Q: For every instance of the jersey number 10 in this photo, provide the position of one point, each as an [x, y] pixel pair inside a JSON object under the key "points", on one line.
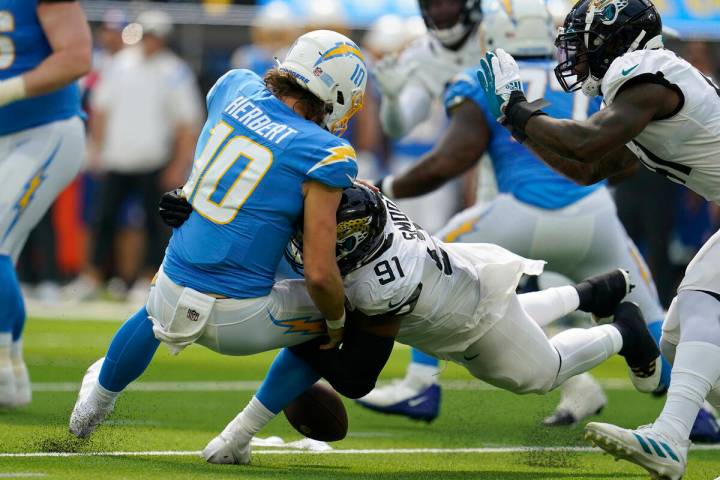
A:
{"points": [[222, 181]]}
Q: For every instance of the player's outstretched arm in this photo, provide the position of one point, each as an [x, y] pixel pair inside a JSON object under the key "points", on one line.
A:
{"points": [[597, 145], [68, 33], [322, 275], [458, 150]]}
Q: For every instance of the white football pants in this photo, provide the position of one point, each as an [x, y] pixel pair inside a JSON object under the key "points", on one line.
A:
{"points": [[35, 166], [577, 241]]}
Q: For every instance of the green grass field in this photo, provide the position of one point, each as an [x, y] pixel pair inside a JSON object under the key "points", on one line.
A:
{"points": [[183, 402]]}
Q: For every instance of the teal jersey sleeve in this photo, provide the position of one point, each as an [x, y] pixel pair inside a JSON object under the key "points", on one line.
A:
{"points": [[333, 164]]}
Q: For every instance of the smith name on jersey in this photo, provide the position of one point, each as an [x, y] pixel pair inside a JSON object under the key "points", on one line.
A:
{"points": [[519, 171], [23, 46], [448, 295], [252, 158], [684, 146]]}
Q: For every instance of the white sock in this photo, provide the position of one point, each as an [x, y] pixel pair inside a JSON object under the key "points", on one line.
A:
{"points": [[103, 395], [420, 375], [548, 305], [581, 349], [695, 371], [5, 348], [248, 422], [16, 349]]}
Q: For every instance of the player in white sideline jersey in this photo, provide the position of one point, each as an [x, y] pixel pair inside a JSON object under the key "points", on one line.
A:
{"points": [[453, 301], [538, 213], [662, 112], [46, 47]]}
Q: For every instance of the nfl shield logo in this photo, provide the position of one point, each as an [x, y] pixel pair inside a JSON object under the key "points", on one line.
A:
{"points": [[193, 315]]}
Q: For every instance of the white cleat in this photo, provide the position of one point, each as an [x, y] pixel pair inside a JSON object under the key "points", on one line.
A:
{"points": [[223, 450], [7, 385], [91, 409], [663, 457], [23, 388], [581, 397]]}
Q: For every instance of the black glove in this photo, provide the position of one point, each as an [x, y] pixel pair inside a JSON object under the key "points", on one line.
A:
{"points": [[173, 208], [378, 184]]}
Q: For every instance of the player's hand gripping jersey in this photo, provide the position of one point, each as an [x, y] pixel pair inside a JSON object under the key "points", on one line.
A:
{"points": [[252, 158], [434, 286], [685, 146], [23, 46], [519, 171]]}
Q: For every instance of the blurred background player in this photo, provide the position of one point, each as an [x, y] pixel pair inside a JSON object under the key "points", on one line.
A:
{"points": [[146, 112], [46, 48], [272, 31], [411, 113], [538, 214]]}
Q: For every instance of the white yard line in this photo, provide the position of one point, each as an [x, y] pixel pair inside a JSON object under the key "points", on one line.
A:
{"points": [[369, 451], [252, 385]]}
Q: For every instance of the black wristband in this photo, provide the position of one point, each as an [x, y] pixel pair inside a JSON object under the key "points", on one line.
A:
{"points": [[518, 111]]}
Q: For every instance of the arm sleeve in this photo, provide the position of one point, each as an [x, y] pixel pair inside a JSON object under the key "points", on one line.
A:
{"points": [[334, 165], [401, 114], [352, 369]]}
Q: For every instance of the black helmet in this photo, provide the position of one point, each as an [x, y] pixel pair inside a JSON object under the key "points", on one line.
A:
{"points": [[470, 17], [361, 218], [596, 32]]}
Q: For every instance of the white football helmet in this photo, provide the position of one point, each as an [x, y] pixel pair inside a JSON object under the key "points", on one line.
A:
{"points": [[523, 28], [332, 67]]}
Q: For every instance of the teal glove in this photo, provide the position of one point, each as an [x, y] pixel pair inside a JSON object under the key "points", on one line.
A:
{"points": [[499, 76]]}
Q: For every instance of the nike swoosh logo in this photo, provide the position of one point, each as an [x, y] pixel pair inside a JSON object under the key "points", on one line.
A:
{"points": [[627, 71], [390, 304], [417, 401], [471, 358]]}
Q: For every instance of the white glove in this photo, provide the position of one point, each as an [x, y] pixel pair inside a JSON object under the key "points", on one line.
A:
{"points": [[499, 76], [391, 76]]}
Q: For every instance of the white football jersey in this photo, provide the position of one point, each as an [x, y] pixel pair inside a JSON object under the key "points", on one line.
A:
{"points": [[448, 295], [437, 64], [686, 146]]}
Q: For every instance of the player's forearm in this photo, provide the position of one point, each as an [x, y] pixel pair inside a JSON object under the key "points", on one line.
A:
{"points": [[58, 70], [391, 118], [425, 176], [327, 291], [399, 114], [582, 173], [566, 138]]}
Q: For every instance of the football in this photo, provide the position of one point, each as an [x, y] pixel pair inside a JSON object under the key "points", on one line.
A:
{"points": [[318, 413]]}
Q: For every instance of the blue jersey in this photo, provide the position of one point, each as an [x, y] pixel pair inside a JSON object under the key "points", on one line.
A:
{"points": [[23, 46], [252, 158], [518, 170]]}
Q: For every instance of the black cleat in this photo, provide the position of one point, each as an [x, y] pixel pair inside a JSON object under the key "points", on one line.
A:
{"points": [[641, 353], [600, 294]]}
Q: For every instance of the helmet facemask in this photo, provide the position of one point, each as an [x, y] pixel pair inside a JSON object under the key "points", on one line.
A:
{"points": [[595, 33], [361, 219]]}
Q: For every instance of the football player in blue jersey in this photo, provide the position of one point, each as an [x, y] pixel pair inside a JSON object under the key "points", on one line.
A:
{"points": [[45, 46], [538, 214], [269, 156]]}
